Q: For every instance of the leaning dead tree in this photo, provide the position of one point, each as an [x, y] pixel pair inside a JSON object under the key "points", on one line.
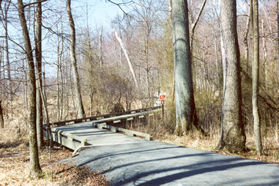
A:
{"points": [[127, 57]]}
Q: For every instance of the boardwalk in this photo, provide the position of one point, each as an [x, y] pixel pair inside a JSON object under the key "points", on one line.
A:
{"points": [[128, 160]]}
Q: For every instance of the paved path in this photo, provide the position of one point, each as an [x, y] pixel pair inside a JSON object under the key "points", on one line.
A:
{"points": [[141, 162]]}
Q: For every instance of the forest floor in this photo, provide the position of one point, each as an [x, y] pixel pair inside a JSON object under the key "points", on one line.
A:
{"points": [[270, 146], [271, 149], [14, 167], [270, 141]]}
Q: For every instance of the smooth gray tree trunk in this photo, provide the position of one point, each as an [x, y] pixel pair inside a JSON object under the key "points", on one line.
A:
{"points": [[35, 168], [255, 78], [186, 118], [81, 113], [38, 54], [232, 132]]}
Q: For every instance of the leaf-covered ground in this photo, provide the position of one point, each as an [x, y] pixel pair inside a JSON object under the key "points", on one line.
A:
{"points": [[14, 168]]}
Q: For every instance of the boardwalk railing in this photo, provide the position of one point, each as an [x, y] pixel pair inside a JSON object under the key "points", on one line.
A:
{"points": [[92, 118]]}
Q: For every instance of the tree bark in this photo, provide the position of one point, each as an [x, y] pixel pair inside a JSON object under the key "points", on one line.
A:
{"points": [[1, 116], [5, 25], [81, 113], [277, 36], [38, 54], [34, 156], [246, 34], [232, 132], [186, 118], [255, 78]]}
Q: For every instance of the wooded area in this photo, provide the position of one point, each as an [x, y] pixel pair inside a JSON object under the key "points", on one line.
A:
{"points": [[217, 62]]}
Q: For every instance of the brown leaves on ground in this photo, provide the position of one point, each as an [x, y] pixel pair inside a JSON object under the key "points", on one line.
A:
{"points": [[14, 168]]}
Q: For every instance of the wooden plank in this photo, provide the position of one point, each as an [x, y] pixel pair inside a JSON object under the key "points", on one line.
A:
{"points": [[66, 139], [130, 119], [117, 121], [125, 131]]}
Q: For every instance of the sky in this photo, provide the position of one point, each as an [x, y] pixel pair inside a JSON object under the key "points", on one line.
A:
{"points": [[100, 12]]}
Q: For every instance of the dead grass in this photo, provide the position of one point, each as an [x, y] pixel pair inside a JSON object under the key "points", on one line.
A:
{"points": [[14, 168], [159, 132], [270, 145]]}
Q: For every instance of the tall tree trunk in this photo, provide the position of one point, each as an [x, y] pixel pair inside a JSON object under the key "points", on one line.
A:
{"points": [[277, 37], [1, 116], [80, 108], [255, 78], [265, 73], [186, 118], [100, 43], [1, 60], [38, 54], [232, 133], [25, 86], [246, 34], [58, 78], [34, 156], [5, 24], [61, 77]]}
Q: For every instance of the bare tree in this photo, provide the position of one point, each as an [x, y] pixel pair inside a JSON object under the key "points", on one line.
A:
{"points": [[278, 35], [38, 56], [4, 13], [34, 156], [186, 118], [1, 115], [246, 34], [232, 130], [80, 108], [255, 78]]}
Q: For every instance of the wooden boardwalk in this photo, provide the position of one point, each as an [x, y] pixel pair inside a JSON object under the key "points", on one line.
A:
{"points": [[100, 131]]}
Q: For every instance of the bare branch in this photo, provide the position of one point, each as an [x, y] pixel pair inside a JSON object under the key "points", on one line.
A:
{"points": [[56, 33], [120, 4], [29, 4], [198, 17]]}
